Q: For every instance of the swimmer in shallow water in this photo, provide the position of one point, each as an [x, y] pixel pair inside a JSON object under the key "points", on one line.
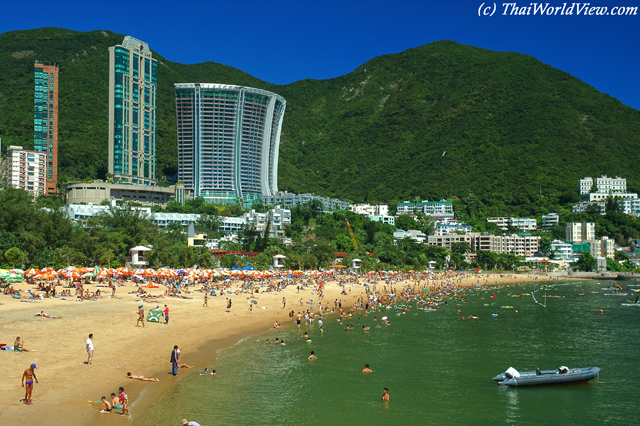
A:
{"points": [[385, 394], [207, 373], [366, 369], [312, 356]]}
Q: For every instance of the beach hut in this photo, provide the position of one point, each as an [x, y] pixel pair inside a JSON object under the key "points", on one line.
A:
{"points": [[138, 256], [278, 261], [355, 263]]}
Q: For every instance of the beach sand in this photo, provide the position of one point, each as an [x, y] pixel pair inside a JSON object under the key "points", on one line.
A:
{"points": [[68, 388]]}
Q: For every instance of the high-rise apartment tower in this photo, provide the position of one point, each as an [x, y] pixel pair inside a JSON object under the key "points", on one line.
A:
{"points": [[228, 141], [45, 121], [132, 113]]}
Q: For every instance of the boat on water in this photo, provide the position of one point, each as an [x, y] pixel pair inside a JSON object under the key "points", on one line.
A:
{"points": [[631, 304], [561, 375]]}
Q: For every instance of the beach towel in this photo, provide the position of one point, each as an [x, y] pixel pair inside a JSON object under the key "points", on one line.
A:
{"points": [[154, 316]]}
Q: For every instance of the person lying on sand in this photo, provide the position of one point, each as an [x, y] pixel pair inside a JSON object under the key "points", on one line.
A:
{"points": [[144, 379], [44, 314]]}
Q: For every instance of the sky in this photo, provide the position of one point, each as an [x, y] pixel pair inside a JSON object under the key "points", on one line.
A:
{"points": [[284, 41]]}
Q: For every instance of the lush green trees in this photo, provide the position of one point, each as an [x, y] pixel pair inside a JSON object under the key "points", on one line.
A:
{"points": [[14, 256], [406, 222], [585, 263]]}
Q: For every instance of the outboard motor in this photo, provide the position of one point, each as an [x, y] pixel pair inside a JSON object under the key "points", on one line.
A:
{"points": [[538, 371]]}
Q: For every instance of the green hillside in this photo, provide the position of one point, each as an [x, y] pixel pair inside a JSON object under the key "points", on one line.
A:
{"points": [[440, 120]]}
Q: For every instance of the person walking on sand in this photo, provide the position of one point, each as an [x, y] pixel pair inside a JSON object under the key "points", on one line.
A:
{"points": [[166, 314], [140, 316], [89, 345], [175, 355], [284, 302], [206, 298], [228, 305], [27, 379]]}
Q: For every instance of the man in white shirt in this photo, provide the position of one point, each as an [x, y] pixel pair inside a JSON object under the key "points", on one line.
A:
{"points": [[185, 422], [90, 349]]}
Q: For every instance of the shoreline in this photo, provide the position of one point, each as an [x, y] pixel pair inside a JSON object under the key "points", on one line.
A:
{"points": [[67, 384]]}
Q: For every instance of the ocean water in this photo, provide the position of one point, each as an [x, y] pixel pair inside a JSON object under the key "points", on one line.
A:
{"points": [[437, 367]]}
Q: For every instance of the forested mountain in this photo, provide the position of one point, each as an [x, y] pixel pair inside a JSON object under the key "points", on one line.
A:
{"points": [[442, 120]]}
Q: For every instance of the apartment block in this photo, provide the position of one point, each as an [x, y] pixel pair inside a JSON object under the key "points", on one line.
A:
{"points": [[27, 169], [132, 112], [452, 228], [516, 244], [290, 200], [45, 121], [550, 219], [390, 220], [371, 210], [577, 232], [522, 223], [562, 250], [438, 209], [603, 187]]}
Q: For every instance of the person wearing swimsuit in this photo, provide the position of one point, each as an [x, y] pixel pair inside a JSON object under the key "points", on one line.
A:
{"points": [[29, 374]]}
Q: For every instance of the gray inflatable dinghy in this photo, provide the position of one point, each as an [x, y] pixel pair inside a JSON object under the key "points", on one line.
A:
{"points": [[562, 375]]}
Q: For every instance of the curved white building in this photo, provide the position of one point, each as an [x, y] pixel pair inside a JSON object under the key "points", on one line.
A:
{"points": [[228, 141]]}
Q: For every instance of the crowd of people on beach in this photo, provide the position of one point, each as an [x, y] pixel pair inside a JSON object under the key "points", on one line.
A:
{"points": [[374, 293]]}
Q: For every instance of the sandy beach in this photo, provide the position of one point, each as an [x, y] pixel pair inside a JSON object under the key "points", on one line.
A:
{"points": [[68, 387]]}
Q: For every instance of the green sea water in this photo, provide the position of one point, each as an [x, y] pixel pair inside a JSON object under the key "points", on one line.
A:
{"points": [[437, 367]]}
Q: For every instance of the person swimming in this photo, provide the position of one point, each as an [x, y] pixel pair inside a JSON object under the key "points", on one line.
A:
{"points": [[207, 373]]}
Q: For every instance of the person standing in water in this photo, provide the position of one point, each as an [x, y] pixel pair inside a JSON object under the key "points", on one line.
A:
{"points": [[385, 394]]}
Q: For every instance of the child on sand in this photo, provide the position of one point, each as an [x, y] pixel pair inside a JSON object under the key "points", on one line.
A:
{"points": [[115, 402], [107, 406]]}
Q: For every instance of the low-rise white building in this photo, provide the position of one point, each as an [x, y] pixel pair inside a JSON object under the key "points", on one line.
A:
{"points": [[522, 223], [437, 209], [390, 220], [277, 218], [583, 205], [452, 228], [604, 187], [370, 210], [289, 200], [562, 250], [630, 206], [414, 234], [549, 220]]}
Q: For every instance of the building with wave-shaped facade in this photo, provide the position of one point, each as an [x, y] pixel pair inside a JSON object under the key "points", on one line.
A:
{"points": [[228, 141]]}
